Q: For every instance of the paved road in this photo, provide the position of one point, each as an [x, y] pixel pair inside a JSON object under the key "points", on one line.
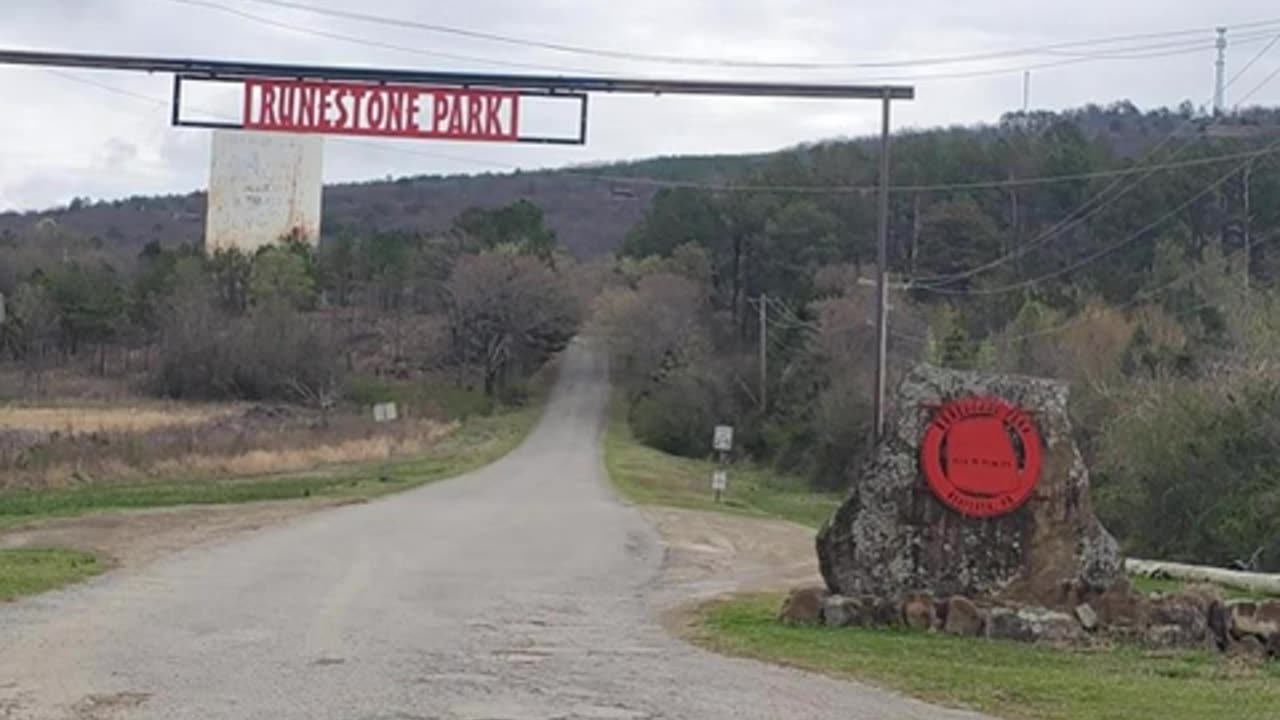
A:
{"points": [[521, 591]]}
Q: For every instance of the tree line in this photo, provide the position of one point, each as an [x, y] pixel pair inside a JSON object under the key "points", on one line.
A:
{"points": [[1127, 253], [282, 323]]}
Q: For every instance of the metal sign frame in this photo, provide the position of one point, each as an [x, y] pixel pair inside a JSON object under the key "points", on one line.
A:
{"points": [[221, 69], [176, 119], [545, 83]]}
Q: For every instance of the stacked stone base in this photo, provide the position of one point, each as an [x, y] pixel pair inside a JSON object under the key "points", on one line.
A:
{"points": [[1195, 619]]}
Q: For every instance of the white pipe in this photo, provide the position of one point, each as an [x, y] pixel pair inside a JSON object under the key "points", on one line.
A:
{"points": [[1264, 583]]}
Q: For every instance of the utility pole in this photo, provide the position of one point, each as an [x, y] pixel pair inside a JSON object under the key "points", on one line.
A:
{"points": [[1220, 74], [1248, 220], [1026, 91], [882, 275], [764, 353]]}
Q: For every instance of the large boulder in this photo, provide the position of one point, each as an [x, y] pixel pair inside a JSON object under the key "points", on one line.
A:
{"points": [[892, 536]]}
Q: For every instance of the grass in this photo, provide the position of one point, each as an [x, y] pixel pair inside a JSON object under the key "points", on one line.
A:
{"points": [[651, 477], [1008, 679], [1145, 584], [475, 443], [1012, 680], [30, 571], [132, 418]]}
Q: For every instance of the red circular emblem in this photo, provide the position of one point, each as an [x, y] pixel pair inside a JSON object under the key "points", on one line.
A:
{"points": [[981, 456]]}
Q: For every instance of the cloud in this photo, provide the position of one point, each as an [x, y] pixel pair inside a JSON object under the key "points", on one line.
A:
{"points": [[68, 138]]}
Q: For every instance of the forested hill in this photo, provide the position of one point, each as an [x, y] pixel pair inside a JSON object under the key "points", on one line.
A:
{"points": [[592, 209], [590, 217]]}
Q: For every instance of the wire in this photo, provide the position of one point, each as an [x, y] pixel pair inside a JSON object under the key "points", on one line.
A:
{"points": [[1270, 76], [1092, 206], [1139, 298], [726, 187], [1107, 250], [725, 62], [795, 321], [939, 187], [370, 42], [1183, 47]]}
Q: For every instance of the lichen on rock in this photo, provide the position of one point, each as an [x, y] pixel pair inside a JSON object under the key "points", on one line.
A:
{"points": [[892, 536]]}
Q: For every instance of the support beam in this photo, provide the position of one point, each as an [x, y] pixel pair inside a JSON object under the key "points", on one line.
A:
{"points": [[882, 276], [231, 70]]}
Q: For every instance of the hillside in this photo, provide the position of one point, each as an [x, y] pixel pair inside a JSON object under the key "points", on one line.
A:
{"points": [[591, 217], [591, 208]]}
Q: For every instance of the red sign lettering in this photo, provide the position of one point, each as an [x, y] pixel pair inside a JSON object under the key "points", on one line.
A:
{"points": [[981, 456], [381, 110]]}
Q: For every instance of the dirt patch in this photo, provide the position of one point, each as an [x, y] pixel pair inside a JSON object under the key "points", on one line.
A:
{"points": [[711, 554], [104, 707], [134, 538]]}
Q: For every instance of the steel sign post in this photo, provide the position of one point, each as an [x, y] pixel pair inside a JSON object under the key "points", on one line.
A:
{"points": [[722, 443], [882, 276]]}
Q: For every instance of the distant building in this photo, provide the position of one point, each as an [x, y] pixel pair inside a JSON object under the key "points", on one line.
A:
{"points": [[263, 187]]}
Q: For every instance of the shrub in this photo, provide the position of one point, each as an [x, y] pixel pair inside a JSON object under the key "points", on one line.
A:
{"points": [[1191, 470], [678, 416], [272, 353]]}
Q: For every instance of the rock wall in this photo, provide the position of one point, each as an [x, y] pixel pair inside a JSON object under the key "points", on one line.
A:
{"points": [[892, 536], [1197, 618]]}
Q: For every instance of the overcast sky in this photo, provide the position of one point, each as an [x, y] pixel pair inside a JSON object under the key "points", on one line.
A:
{"points": [[61, 138]]}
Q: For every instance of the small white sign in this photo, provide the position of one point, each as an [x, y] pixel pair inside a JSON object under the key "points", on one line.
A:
{"points": [[719, 480], [722, 441], [385, 412]]}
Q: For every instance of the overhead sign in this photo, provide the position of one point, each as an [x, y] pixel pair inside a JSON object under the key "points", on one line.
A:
{"points": [[384, 110], [381, 110], [722, 440], [981, 456]]}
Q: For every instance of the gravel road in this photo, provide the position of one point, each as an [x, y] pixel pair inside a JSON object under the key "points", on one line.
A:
{"points": [[523, 591]]}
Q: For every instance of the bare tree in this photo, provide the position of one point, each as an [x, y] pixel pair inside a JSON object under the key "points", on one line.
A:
{"points": [[505, 311], [655, 329]]}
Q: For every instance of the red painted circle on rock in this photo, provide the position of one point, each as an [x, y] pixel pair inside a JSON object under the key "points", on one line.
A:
{"points": [[981, 456]]}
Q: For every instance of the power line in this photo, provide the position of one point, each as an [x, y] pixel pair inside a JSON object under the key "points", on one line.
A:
{"points": [[937, 187], [1181, 47], [374, 43], [1089, 208], [794, 321], [1109, 249], [1270, 76], [730, 187], [1137, 299], [405, 23]]}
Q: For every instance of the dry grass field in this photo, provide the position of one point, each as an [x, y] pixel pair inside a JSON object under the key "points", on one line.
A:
{"points": [[103, 418]]}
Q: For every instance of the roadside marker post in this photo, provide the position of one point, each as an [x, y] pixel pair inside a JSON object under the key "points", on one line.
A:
{"points": [[722, 443]]}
